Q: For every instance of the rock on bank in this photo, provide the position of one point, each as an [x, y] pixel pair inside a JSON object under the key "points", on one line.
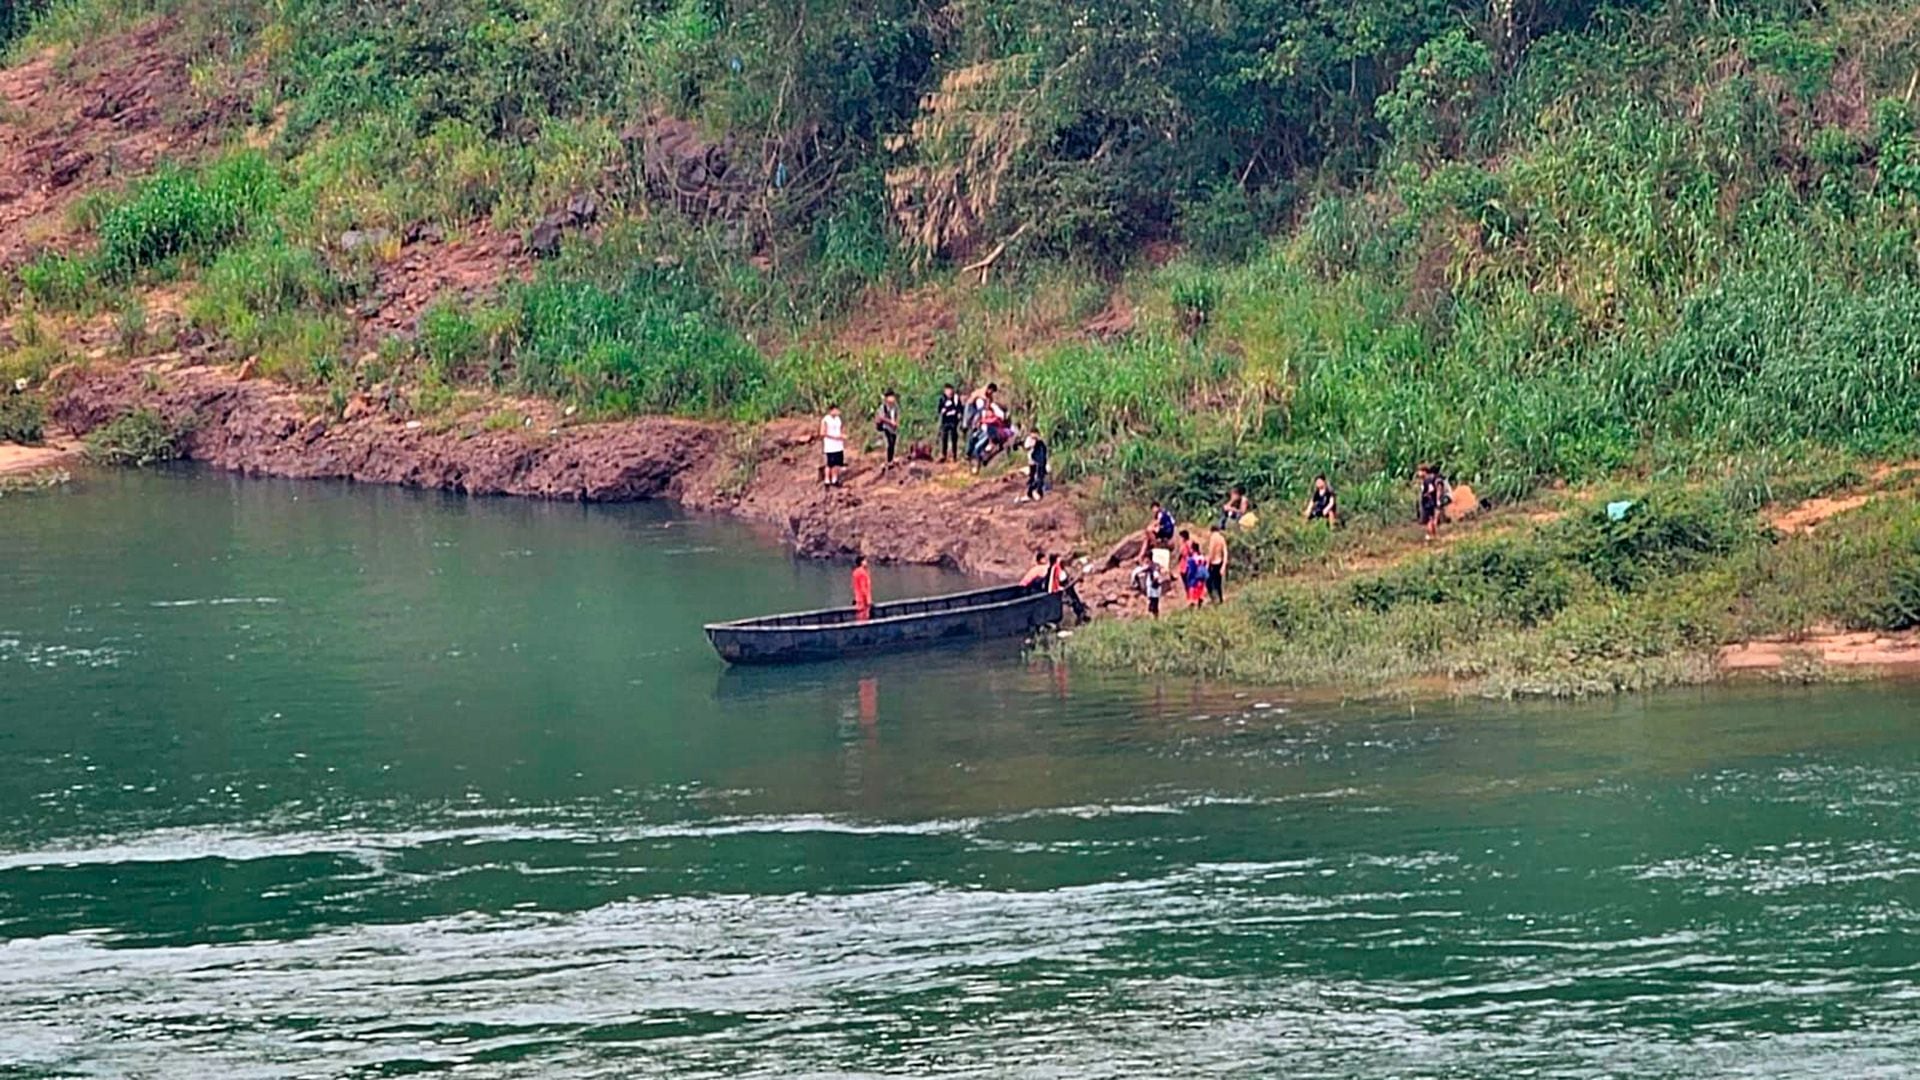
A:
{"points": [[913, 513]]}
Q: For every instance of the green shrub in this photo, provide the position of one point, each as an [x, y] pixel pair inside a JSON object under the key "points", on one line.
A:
{"points": [[1900, 609], [269, 276], [854, 250], [451, 340], [1195, 297], [23, 417], [140, 438], [1220, 225], [1085, 394], [180, 212], [1667, 532], [58, 281]]}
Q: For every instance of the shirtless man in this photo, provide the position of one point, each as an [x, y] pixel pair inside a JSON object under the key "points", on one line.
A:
{"points": [[1217, 565]]}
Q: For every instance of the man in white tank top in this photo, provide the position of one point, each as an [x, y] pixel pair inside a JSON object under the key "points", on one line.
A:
{"points": [[835, 446]]}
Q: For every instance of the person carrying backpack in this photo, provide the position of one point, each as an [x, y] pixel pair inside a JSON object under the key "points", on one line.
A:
{"points": [[1161, 524]]}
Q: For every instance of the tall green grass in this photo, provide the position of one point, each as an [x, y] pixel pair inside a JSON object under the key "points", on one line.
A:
{"points": [[644, 344], [177, 211]]}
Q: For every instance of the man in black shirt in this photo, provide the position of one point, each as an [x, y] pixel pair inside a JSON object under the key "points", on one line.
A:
{"points": [[951, 410], [1037, 457]]}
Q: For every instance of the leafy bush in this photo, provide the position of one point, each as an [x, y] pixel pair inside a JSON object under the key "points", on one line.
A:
{"points": [[1900, 610], [1512, 582], [23, 417], [450, 338], [140, 438], [279, 302], [1221, 225], [854, 251], [1195, 297], [16, 18], [1665, 533], [1085, 394], [59, 281]]}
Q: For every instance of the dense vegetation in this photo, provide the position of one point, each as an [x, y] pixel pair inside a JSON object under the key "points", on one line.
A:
{"points": [[1535, 240]]}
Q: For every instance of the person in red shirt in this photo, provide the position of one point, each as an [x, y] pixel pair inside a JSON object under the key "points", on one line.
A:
{"points": [[862, 590]]}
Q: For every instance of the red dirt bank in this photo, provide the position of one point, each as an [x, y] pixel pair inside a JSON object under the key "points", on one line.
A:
{"points": [[914, 513]]}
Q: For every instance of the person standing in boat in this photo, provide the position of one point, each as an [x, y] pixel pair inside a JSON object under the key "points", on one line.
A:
{"points": [[834, 445], [862, 590]]}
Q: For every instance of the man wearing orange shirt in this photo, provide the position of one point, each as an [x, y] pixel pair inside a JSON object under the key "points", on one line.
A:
{"points": [[862, 590]]}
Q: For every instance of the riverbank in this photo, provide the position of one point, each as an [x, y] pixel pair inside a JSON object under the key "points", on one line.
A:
{"points": [[1686, 585], [1552, 598], [916, 513]]}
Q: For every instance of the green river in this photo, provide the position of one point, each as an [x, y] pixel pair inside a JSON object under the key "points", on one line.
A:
{"points": [[319, 780]]}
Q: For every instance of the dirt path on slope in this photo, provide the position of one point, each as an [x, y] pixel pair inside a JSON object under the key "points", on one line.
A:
{"points": [[1809, 516]]}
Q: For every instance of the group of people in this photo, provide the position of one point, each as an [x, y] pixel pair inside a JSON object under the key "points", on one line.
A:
{"points": [[1167, 550], [985, 419]]}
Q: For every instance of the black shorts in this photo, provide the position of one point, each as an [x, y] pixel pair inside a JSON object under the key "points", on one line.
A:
{"points": [[1216, 581], [836, 459]]}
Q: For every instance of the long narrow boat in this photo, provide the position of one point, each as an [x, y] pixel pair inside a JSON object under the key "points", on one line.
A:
{"points": [[1005, 611]]}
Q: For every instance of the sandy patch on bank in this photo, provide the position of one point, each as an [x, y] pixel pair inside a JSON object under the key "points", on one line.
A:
{"points": [[1863, 649], [25, 459]]}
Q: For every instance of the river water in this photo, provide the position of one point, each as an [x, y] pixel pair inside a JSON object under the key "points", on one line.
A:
{"points": [[313, 780]]}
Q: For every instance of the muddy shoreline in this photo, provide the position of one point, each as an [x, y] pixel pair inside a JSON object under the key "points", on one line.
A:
{"points": [[915, 513]]}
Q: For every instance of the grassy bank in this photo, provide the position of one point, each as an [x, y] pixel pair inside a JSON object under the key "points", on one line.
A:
{"points": [[1579, 605]]}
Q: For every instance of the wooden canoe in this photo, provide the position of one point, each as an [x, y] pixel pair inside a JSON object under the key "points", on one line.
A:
{"points": [[1005, 611]]}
